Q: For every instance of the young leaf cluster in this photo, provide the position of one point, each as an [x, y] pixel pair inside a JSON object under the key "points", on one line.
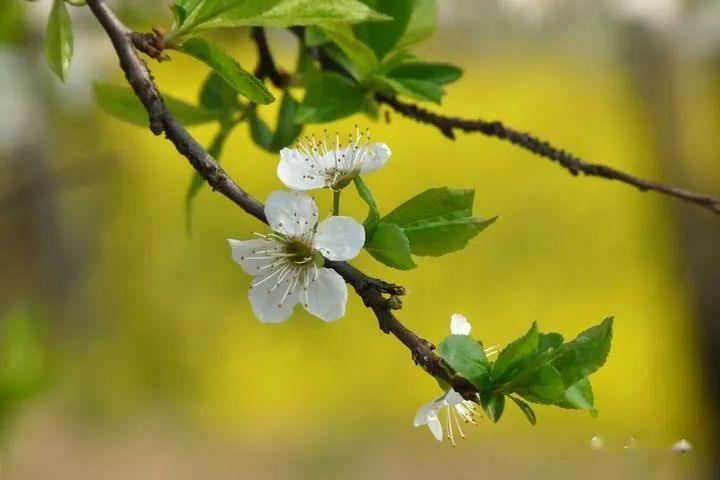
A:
{"points": [[537, 368], [367, 44], [374, 57], [436, 222]]}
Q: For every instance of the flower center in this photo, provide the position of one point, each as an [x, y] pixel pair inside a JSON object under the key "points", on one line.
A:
{"points": [[299, 253], [339, 178], [337, 164]]}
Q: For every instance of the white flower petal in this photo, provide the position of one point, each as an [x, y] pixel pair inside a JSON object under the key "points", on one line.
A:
{"points": [[295, 171], [421, 417], [326, 296], [339, 238], [376, 157], [459, 325], [453, 398], [267, 302], [329, 160], [245, 254], [435, 427], [291, 213], [422, 414]]}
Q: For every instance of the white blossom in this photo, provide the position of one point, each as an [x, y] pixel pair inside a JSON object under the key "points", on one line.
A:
{"points": [[456, 408], [288, 264], [312, 164]]}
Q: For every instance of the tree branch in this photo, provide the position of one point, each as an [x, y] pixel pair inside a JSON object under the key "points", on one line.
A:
{"points": [[447, 126], [266, 67], [573, 164], [371, 290]]}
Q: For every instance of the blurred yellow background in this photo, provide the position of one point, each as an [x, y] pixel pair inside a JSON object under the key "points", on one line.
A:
{"points": [[163, 372]]}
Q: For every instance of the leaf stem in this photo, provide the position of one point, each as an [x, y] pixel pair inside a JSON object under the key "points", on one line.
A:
{"points": [[336, 202]]}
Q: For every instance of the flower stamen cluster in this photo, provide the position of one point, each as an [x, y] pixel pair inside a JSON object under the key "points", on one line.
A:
{"points": [[326, 164], [288, 264]]}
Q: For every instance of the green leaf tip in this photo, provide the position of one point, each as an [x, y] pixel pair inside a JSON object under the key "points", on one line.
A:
{"points": [[59, 40], [439, 221]]}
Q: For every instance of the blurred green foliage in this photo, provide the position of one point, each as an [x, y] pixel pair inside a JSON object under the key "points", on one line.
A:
{"points": [[12, 21], [24, 363]]}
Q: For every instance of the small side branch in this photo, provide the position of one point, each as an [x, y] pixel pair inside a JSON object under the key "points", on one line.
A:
{"points": [[266, 63], [573, 164]]}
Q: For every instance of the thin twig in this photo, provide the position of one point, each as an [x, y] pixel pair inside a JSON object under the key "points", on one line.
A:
{"points": [[447, 126], [266, 67], [573, 164], [372, 291]]}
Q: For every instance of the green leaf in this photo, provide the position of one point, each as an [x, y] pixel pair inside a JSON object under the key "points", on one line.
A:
{"points": [[179, 15], [260, 132], [338, 56], [579, 397], [59, 40], [286, 130], [314, 37], [390, 246], [436, 73], [372, 108], [276, 13], [515, 354], [419, 90], [197, 182], [422, 24], [217, 94], [362, 58], [394, 60], [121, 103], [329, 97], [549, 341], [545, 353], [383, 36], [545, 386], [585, 354], [13, 22], [185, 10], [191, 15], [420, 80], [23, 362], [373, 218], [244, 82], [526, 409], [438, 221], [494, 405], [466, 356]]}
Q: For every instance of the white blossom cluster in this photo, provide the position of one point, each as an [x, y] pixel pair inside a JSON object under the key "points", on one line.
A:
{"points": [[289, 263]]}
